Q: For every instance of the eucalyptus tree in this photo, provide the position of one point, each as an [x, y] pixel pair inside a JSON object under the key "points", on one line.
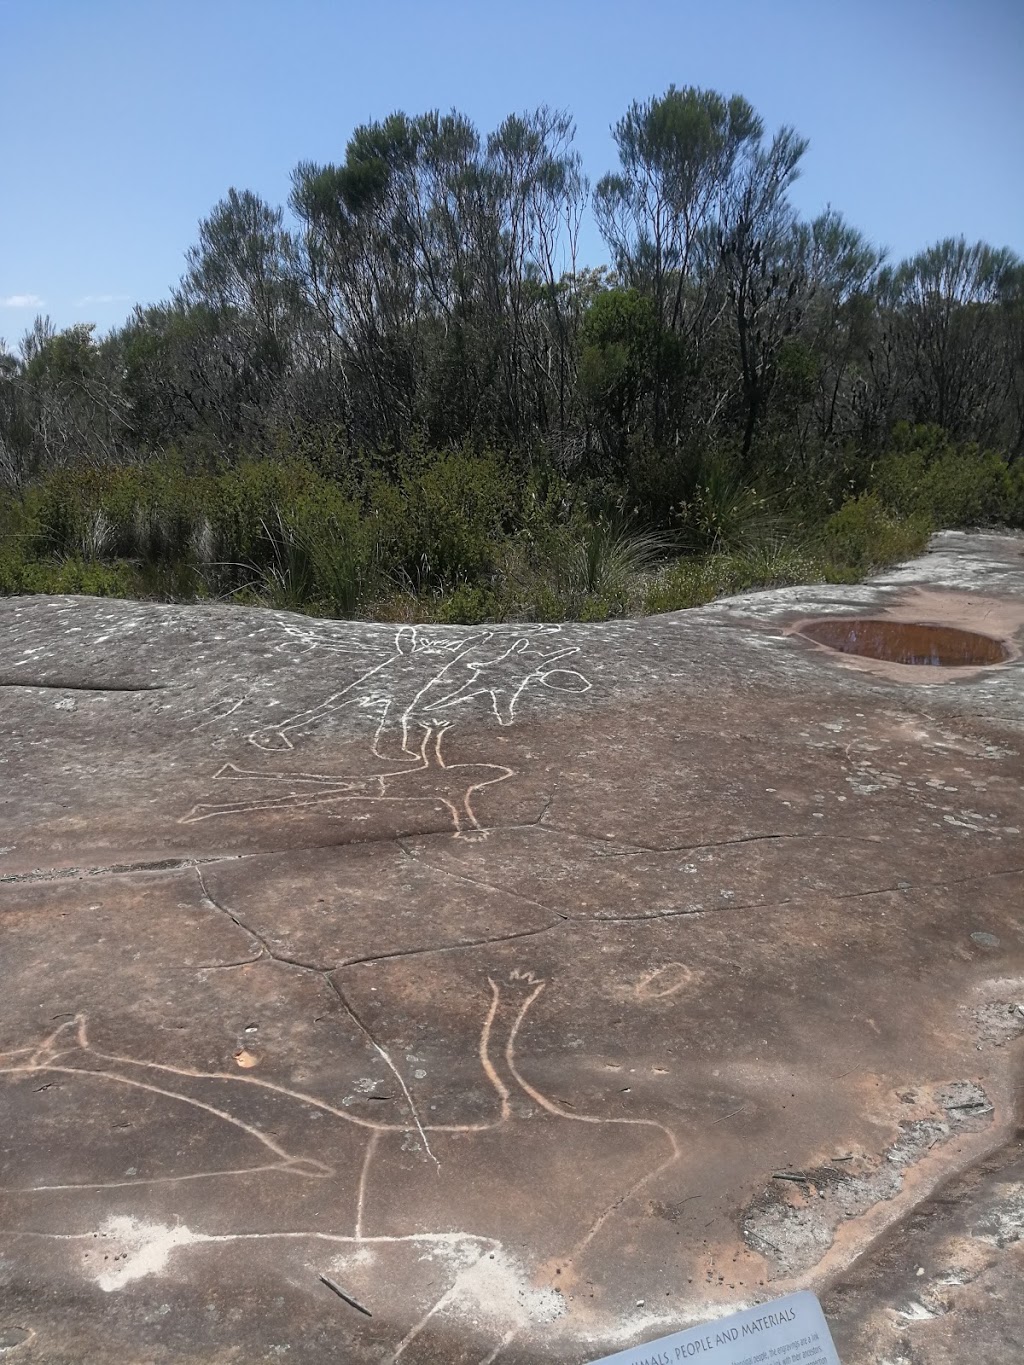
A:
{"points": [[763, 255], [842, 275], [177, 391], [618, 340], [691, 165], [435, 262], [539, 194], [15, 423], [190, 380], [61, 400], [26, 427], [239, 301], [945, 314], [1013, 331], [386, 243], [812, 310], [243, 263]]}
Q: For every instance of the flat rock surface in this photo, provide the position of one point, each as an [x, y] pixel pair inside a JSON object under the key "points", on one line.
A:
{"points": [[546, 989]]}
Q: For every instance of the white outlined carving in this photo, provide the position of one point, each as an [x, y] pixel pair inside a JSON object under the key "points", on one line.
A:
{"points": [[69, 1053], [415, 694], [432, 781], [426, 676]]}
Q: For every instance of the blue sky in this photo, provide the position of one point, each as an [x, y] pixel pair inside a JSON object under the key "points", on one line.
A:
{"points": [[126, 122]]}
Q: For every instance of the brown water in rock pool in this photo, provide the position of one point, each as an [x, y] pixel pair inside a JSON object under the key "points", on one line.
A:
{"points": [[905, 642]]}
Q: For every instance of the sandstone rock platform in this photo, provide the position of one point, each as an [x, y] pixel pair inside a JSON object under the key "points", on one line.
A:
{"points": [[541, 989]]}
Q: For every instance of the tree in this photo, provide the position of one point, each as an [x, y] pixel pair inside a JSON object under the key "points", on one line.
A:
{"points": [[62, 402], [842, 271], [763, 254], [1012, 303], [695, 186], [945, 315], [619, 336], [424, 291], [435, 261]]}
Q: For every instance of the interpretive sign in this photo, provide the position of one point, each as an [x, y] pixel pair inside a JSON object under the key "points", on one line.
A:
{"points": [[784, 1332]]}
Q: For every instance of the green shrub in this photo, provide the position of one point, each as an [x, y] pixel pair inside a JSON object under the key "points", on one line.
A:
{"points": [[599, 607], [148, 513], [855, 541], [65, 576], [445, 520], [247, 504], [544, 603], [928, 475], [693, 581], [12, 573], [468, 606], [863, 536], [459, 536]]}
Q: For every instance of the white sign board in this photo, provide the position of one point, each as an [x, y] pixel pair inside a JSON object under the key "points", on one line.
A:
{"points": [[789, 1331]]}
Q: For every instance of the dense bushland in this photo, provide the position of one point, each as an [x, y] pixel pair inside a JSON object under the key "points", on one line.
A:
{"points": [[407, 398], [464, 536]]}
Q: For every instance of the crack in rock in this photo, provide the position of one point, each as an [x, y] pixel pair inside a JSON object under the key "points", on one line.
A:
{"points": [[83, 687]]}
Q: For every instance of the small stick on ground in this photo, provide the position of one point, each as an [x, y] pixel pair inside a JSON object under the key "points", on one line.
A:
{"points": [[354, 1303]]}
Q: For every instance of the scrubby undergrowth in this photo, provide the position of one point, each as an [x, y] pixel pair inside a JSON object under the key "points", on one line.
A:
{"points": [[459, 536]]}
